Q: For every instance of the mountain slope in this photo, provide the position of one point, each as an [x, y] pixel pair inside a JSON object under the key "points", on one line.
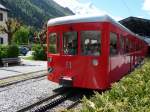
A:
{"points": [[35, 12]]}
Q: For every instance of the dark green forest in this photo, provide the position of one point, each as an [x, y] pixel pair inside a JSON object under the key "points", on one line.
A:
{"points": [[34, 12]]}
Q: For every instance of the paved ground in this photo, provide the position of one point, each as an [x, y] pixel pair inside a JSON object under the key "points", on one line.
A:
{"points": [[26, 66]]}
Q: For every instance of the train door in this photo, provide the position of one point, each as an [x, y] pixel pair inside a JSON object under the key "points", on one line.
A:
{"points": [[90, 57], [70, 52], [115, 59], [131, 55]]}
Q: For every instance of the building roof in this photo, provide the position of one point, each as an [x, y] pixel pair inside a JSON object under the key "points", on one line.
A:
{"points": [[3, 8], [86, 18], [137, 25]]}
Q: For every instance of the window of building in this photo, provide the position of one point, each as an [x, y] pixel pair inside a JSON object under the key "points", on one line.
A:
{"points": [[1, 16], [90, 43], [1, 40], [113, 44], [70, 43], [54, 43]]}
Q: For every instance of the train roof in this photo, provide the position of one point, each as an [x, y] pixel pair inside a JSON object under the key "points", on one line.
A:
{"points": [[87, 18], [79, 19]]}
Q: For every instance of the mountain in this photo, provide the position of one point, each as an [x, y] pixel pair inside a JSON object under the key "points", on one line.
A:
{"points": [[35, 12]]}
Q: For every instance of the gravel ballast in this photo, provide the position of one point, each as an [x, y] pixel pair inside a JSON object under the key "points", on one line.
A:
{"points": [[18, 96]]}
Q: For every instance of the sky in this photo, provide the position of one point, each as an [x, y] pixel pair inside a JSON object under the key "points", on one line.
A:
{"points": [[117, 9]]}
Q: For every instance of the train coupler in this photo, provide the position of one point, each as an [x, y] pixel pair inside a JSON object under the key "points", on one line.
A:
{"points": [[66, 81]]}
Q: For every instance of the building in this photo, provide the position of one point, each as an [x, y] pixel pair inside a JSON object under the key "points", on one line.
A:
{"points": [[137, 25], [3, 19]]}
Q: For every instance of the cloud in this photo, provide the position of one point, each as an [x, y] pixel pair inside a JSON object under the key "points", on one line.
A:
{"points": [[80, 8], [117, 18], [146, 6], [83, 8]]}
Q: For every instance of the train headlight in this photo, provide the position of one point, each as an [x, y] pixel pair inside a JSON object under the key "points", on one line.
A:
{"points": [[95, 62], [50, 70], [49, 59]]}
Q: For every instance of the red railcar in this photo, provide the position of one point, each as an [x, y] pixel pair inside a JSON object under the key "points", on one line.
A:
{"points": [[91, 51]]}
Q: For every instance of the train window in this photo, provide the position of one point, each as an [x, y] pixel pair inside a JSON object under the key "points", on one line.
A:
{"points": [[70, 43], [127, 45], [131, 46], [121, 44], [54, 43], [113, 44], [137, 46], [90, 43]]}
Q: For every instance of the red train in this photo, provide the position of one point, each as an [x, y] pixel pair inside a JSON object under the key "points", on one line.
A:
{"points": [[91, 51]]}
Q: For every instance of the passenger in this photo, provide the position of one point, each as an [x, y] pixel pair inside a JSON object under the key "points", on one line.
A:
{"points": [[71, 49], [96, 51], [113, 49], [88, 49]]}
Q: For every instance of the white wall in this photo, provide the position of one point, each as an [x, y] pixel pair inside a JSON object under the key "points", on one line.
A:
{"points": [[4, 36]]}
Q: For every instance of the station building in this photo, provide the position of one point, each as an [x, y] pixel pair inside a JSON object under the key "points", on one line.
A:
{"points": [[137, 25], [3, 19]]}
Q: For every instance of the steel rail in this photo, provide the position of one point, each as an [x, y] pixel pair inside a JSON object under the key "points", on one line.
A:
{"points": [[30, 107], [54, 102]]}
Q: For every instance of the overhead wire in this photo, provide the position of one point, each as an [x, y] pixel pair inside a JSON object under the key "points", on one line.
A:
{"points": [[126, 5]]}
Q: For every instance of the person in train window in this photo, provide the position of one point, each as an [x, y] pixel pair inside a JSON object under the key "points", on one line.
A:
{"points": [[96, 51], [88, 48], [71, 49], [113, 49]]}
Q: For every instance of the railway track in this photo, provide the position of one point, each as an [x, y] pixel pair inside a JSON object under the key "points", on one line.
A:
{"points": [[55, 101], [40, 106], [23, 82], [20, 78]]}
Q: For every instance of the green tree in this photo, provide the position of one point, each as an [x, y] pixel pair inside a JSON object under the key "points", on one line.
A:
{"points": [[40, 37], [10, 27], [42, 34], [22, 35]]}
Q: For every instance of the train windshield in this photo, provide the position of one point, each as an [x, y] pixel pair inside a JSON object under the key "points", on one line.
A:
{"points": [[54, 43], [70, 43], [90, 43]]}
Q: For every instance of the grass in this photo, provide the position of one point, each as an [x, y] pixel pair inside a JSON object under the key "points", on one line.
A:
{"points": [[130, 94], [28, 58]]}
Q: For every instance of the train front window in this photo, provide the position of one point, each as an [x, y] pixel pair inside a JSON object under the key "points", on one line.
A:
{"points": [[90, 43], [53, 43], [70, 41]]}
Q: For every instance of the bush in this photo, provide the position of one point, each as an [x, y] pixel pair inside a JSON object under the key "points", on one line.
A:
{"points": [[3, 51], [131, 94], [40, 52], [10, 51], [21, 36], [13, 51]]}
